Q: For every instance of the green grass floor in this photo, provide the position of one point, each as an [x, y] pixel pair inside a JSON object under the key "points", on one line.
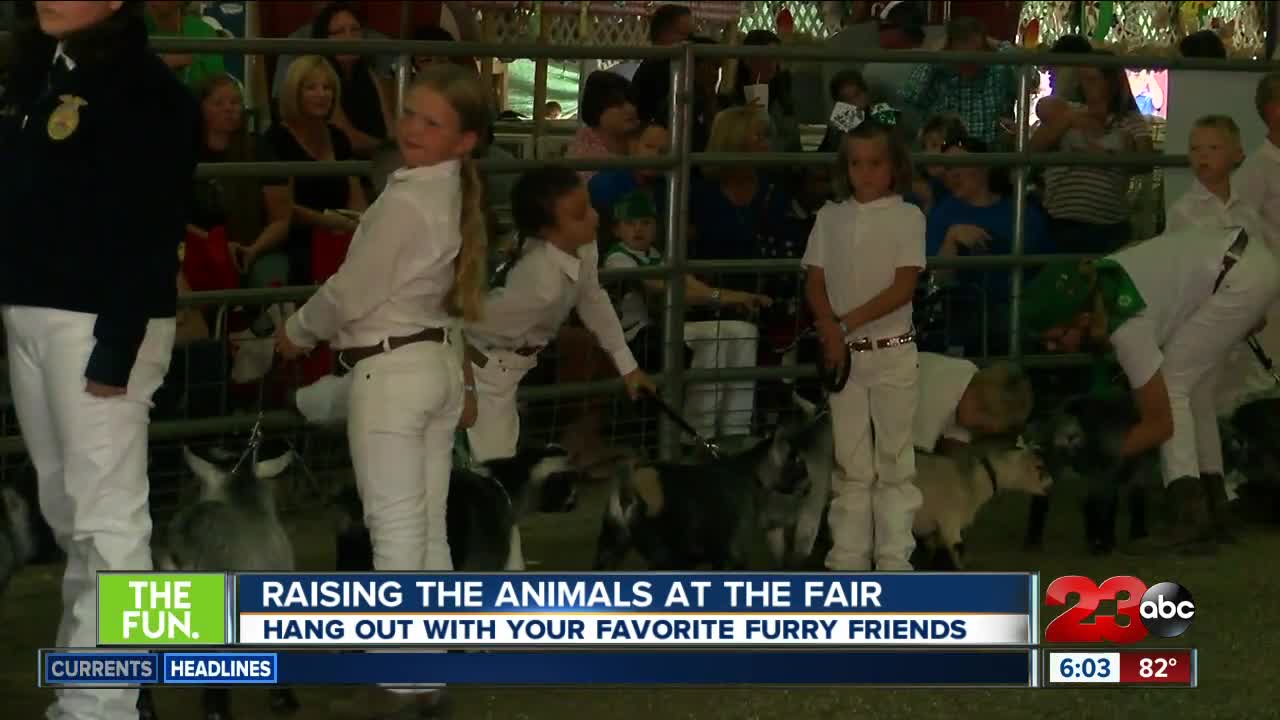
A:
{"points": [[1235, 594]]}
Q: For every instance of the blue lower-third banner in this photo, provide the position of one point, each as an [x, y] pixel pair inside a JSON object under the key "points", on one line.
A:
{"points": [[310, 668]]}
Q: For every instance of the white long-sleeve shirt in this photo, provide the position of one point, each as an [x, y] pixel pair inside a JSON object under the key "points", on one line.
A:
{"points": [[1198, 206], [543, 286], [398, 269], [1257, 184]]}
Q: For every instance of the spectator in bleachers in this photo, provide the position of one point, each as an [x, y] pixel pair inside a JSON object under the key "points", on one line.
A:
{"points": [[760, 74], [982, 95], [977, 219], [706, 98], [900, 27], [850, 88], [735, 210], [715, 410], [1062, 80], [307, 101], [435, 33], [1089, 206], [384, 64], [651, 82], [365, 107], [930, 187], [254, 213], [169, 18], [609, 187], [1203, 44], [608, 117]]}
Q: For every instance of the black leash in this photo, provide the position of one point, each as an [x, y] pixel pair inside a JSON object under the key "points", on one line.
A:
{"points": [[1262, 357], [684, 425]]}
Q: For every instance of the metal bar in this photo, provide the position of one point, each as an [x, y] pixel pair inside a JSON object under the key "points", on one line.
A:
{"points": [[540, 84], [405, 61], [286, 421], [681, 103], [1037, 159], [820, 53], [299, 293], [320, 168], [1019, 216], [330, 47]]}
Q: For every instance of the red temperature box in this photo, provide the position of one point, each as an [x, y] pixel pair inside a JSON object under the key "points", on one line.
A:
{"points": [[1158, 667]]}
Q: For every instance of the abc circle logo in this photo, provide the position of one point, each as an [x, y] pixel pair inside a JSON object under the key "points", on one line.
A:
{"points": [[1166, 609]]}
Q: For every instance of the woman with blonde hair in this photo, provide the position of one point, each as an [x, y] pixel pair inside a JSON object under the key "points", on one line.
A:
{"points": [[306, 133], [418, 259], [738, 213]]}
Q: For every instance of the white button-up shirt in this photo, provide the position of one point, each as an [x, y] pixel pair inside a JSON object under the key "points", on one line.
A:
{"points": [[543, 286], [860, 248], [1198, 206], [398, 269], [1257, 184]]}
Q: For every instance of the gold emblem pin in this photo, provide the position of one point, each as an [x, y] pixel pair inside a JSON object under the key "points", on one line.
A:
{"points": [[182, 252], [65, 118]]}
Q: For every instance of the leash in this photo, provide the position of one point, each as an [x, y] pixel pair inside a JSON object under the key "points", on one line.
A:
{"points": [[1262, 357], [684, 425]]}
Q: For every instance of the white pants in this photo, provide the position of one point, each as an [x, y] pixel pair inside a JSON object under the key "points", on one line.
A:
{"points": [[1196, 351], [496, 431], [90, 456], [721, 409], [873, 484], [405, 406]]}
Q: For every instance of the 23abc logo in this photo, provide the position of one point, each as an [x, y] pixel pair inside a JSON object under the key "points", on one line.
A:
{"points": [[1164, 610]]}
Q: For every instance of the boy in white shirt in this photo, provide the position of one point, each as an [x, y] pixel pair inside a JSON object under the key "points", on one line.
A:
{"points": [[1214, 152], [714, 410], [555, 274], [1257, 183], [959, 402]]}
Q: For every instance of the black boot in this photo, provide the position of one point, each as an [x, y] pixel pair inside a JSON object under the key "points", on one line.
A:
{"points": [[1191, 532], [1215, 488]]}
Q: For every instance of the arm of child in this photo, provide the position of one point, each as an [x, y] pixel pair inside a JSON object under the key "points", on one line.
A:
{"points": [[364, 279], [899, 293], [1140, 357], [910, 228], [598, 315]]}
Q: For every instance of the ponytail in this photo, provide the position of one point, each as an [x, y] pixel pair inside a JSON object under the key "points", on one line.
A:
{"points": [[466, 297], [470, 98]]}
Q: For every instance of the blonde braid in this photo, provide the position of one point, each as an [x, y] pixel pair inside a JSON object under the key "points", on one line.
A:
{"points": [[466, 297]]}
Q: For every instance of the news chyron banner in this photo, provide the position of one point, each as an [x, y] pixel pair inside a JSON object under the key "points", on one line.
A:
{"points": [[645, 628]]}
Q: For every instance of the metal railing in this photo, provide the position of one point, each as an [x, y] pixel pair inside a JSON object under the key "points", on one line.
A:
{"points": [[678, 166]]}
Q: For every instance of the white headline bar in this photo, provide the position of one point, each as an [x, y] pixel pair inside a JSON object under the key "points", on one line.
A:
{"points": [[630, 629]]}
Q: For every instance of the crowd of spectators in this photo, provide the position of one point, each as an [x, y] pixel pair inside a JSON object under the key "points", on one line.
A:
{"points": [[293, 230]]}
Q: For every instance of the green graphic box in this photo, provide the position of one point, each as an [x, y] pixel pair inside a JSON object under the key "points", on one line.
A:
{"points": [[162, 609]]}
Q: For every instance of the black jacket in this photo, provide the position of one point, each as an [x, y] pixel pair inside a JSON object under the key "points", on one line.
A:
{"points": [[92, 223]]}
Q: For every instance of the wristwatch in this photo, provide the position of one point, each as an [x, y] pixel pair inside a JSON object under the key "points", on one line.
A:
{"points": [[715, 296]]}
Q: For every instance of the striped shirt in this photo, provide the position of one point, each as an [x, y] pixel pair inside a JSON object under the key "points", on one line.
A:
{"points": [[1096, 195]]}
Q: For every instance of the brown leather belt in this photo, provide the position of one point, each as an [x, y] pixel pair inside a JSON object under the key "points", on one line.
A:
{"points": [[865, 344], [477, 357], [1232, 257], [348, 357]]}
